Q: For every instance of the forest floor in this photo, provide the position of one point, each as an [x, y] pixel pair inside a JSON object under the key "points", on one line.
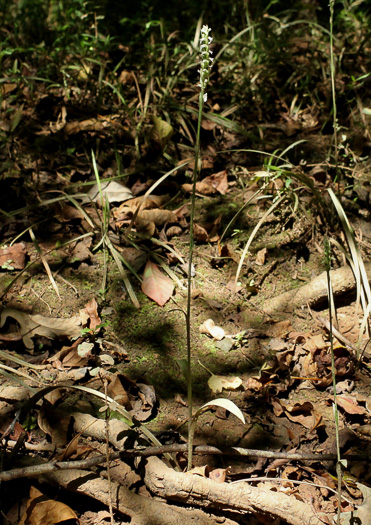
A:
{"points": [[260, 335]]}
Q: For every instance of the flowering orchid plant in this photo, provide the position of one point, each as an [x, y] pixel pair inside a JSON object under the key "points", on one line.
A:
{"points": [[206, 60], [205, 67]]}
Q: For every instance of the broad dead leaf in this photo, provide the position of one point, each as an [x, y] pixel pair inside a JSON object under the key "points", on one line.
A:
{"points": [[227, 404], [220, 383], [156, 285], [111, 191], [362, 514], [302, 413], [349, 404], [43, 511], [31, 325]]}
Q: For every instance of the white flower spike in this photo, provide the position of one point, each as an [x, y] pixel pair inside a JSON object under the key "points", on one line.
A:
{"points": [[206, 60]]}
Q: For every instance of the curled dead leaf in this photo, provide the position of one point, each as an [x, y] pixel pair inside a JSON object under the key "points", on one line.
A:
{"points": [[210, 328]]}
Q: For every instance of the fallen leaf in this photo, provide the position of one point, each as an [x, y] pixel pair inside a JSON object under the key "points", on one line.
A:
{"points": [[302, 413], [13, 257], [200, 471], [228, 405], [161, 132], [210, 328], [31, 325], [55, 423], [200, 233], [90, 313], [218, 181], [362, 514], [219, 474], [43, 511], [220, 383], [349, 404], [261, 257], [111, 191], [156, 285]]}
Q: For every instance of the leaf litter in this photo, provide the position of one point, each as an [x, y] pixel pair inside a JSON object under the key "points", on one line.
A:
{"points": [[277, 368]]}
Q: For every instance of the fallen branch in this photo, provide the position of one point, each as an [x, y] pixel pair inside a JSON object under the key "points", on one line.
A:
{"points": [[51, 466]]}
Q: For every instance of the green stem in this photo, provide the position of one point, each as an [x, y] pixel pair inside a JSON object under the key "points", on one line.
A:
{"points": [[189, 283], [336, 413], [333, 87]]}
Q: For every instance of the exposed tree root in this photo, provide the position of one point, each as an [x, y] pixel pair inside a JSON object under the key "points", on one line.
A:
{"points": [[315, 292], [142, 510], [196, 490]]}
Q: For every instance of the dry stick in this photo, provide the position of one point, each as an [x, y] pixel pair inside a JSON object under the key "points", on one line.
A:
{"points": [[51, 466]]}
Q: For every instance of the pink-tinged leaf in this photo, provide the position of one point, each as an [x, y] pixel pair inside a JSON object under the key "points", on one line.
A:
{"points": [[156, 285]]}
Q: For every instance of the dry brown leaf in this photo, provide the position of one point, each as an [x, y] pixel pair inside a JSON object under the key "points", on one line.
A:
{"points": [[43, 511], [349, 404], [31, 325], [200, 471], [200, 233], [315, 342], [302, 413], [54, 423], [139, 399], [90, 312], [218, 181], [156, 284], [219, 474], [210, 328], [220, 383], [158, 216], [280, 329], [261, 257], [13, 257], [111, 191]]}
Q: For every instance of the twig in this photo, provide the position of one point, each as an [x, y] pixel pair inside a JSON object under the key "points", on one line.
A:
{"points": [[43, 468], [297, 482]]}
